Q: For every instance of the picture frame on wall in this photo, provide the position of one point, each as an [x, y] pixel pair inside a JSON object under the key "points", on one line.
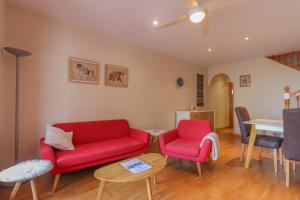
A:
{"points": [[116, 76], [245, 80], [83, 70]]}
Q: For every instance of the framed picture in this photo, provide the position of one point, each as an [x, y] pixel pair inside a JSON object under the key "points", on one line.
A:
{"points": [[245, 81], [83, 71], [116, 76]]}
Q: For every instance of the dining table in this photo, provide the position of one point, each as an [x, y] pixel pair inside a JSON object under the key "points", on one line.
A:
{"points": [[261, 125]]}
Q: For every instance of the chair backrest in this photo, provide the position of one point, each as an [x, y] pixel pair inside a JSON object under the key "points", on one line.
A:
{"points": [[193, 129], [95, 131], [291, 125], [242, 116]]}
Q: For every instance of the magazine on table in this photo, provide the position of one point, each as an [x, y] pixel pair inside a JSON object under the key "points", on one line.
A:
{"points": [[136, 166]]}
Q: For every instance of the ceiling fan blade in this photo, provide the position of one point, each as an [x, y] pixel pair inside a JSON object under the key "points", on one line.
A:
{"points": [[191, 4], [177, 21], [204, 25], [214, 5]]}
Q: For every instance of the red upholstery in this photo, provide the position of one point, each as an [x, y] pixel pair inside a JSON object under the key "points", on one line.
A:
{"points": [[86, 153], [184, 142], [96, 144], [184, 147], [193, 129], [88, 132]]}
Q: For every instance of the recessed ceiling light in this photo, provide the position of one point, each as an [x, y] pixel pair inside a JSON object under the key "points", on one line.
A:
{"points": [[155, 22], [246, 38], [209, 50]]}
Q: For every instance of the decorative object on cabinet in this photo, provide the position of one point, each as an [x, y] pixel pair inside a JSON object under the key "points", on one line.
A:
{"points": [[200, 90], [245, 81], [116, 76], [83, 71], [208, 115]]}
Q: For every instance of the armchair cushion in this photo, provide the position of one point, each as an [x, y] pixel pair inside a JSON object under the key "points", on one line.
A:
{"points": [[184, 146]]}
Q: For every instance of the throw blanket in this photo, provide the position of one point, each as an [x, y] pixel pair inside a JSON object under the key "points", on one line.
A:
{"points": [[213, 137]]}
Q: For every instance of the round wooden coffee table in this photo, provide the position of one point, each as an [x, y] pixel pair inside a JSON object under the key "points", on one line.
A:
{"points": [[117, 173]]}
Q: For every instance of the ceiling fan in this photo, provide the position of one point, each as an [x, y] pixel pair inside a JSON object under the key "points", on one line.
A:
{"points": [[199, 11]]}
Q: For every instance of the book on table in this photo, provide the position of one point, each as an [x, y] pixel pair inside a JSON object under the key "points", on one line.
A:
{"points": [[135, 166]]}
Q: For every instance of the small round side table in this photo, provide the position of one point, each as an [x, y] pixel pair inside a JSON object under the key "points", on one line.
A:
{"points": [[155, 133], [25, 171]]}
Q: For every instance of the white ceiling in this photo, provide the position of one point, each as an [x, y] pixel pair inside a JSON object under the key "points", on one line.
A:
{"points": [[272, 26]]}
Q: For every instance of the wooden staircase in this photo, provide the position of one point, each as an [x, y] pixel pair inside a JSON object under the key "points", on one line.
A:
{"points": [[290, 59]]}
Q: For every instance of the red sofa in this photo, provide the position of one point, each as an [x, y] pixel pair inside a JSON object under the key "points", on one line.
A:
{"points": [[96, 142], [184, 142]]}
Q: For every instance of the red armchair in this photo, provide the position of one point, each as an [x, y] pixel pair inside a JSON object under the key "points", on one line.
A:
{"points": [[184, 142], [95, 142]]}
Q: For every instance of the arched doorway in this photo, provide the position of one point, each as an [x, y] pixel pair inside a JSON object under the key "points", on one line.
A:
{"points": [[221, 93]]}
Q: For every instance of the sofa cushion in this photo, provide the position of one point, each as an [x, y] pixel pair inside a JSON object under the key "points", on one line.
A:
{"points": [[96, 131], [86, 153], [184, 146]]}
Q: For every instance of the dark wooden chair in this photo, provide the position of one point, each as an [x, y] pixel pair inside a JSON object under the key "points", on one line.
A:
{"points": [[263, 141], [291, 143]]}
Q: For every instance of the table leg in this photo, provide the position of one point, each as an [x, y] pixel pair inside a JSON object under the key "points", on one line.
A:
{"points": [[33, 189], [101, 188], [149, 188], [15, 190], [154, 179], [250, 146]]}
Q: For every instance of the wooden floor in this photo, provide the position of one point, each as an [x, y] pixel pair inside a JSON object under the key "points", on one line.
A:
{"points": [[222, 179]]}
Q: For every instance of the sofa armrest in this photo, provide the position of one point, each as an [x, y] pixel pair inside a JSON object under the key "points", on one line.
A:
{"points": [[47, 152], [167, 137], [140, 135], [205, 150]]}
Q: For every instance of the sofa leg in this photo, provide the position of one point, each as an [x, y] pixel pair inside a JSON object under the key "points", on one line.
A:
{"points": [[56, 181], [199, 168]]}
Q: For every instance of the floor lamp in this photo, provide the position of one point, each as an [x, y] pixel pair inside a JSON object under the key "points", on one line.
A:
{"points": [[18, 53]]}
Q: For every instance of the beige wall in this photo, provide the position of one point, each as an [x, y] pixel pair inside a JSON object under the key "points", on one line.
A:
{"points": [[6, 96], [2, 20], [47, 97], [264, 99], [218, 100]]}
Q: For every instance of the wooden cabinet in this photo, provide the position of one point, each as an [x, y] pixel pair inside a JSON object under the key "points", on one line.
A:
{"points": [[201, 115]]}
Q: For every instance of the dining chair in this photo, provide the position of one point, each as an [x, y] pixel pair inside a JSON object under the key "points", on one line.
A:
{"points": [[263, 141], [291, 143]]}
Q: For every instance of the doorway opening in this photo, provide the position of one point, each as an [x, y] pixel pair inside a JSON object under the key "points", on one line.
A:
{"points": [[221, 100]]}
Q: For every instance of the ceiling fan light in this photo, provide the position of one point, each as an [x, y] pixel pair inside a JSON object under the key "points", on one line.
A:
{"points": [[197, 15]]}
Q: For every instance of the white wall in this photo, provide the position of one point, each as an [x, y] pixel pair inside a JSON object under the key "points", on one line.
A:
{"points": [[47, 97], [219, 101], [264, 99]]}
